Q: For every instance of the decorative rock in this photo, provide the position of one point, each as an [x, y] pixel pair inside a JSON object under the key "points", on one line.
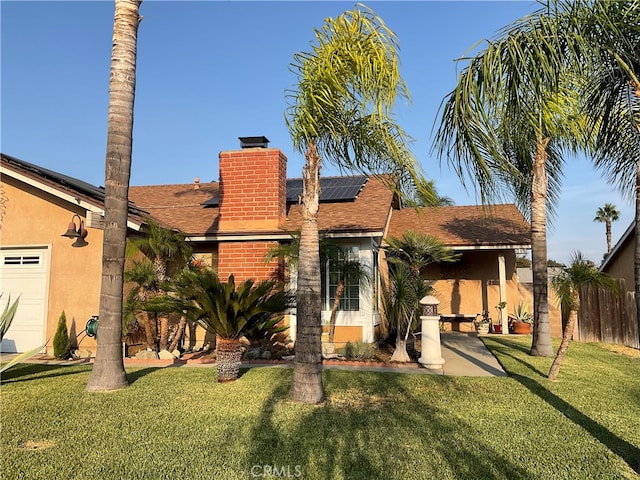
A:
{"points": [[176, 353], [288, 358], [328, 349], [84, 353], [147, 355], [165, 355], [266, 355]]}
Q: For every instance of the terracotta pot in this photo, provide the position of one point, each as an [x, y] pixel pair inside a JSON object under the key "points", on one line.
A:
{"points": [[521, 328]]}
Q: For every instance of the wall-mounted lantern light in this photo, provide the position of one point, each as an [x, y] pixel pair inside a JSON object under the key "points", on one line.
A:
{"points": [[79, 232]]}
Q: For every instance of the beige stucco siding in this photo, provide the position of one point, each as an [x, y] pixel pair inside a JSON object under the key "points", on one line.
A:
{"points": [[35, 218]]}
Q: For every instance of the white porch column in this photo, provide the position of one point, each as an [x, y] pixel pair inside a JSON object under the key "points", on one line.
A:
{"points": [[502, 275]]}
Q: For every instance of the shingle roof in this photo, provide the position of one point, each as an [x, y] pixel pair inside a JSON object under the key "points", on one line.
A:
{"points": [[64, 183], [466, 226], [180, 206]]}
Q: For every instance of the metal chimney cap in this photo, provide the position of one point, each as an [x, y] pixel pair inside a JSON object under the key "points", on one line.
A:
{"points": [[253, 142]]}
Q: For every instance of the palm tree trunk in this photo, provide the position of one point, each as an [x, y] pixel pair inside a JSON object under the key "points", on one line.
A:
{"points": [[228, 358], [564, 344], [636, 250], [307, 368], [163, 321], [149, 329], [108, 370], [334, 310], [541, 343], [608, 230], [179, 333]]}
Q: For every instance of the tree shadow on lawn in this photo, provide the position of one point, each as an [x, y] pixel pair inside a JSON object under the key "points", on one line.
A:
{"points": [[354, 434], [25, 372], [628, 452]]}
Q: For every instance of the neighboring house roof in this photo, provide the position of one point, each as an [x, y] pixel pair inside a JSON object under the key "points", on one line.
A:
{"points": [[489, 226], [193, 208], [618, 247], [62, 186]]}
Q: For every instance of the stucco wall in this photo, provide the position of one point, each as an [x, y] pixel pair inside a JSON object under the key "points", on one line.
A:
{"points": [[35, 218]]}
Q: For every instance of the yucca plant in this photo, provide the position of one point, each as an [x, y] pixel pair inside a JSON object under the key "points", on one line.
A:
{"points": [[6, 318]]}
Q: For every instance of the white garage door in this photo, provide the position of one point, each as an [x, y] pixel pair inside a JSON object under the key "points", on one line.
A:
{"points": [[24, 273]]}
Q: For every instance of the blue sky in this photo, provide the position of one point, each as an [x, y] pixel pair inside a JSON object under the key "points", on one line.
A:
{"points": [[209, 72]]}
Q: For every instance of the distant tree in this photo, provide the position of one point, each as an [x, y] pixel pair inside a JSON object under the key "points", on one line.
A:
{"points": [[606, 215], [567, 285], [551, 263], [523, 262]]}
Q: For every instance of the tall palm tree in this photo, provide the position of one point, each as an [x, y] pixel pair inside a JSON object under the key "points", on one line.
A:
{"points": [[108, 370], [340, 112], [606, 215], [580, 272], [507, 123]]}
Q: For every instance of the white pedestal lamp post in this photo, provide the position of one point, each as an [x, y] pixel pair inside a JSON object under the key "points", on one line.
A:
{"points": [[431, 355]]}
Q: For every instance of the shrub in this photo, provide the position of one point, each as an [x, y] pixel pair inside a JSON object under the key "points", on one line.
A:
{"points": [[359, 351], [61, 342]]}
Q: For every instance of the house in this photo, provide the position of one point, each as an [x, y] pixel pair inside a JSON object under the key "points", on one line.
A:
{"points": [[487, 239], [619, 262], [231, 224]]}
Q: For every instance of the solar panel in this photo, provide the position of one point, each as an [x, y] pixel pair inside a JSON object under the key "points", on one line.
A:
{"points": [[332, 189]]}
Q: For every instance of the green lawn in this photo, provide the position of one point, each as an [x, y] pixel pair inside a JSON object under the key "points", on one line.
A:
{"points": [[179, 423]]}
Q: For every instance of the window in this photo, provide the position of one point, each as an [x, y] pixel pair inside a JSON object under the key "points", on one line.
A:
{"points": [[331, 276]]}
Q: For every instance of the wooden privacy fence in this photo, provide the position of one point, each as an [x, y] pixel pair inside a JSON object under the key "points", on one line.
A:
{"points": [[607, 316]]}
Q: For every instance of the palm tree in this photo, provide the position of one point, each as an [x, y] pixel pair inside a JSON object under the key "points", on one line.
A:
{"points": [[226, 310], [340, 112], [350, 270], [156, 254], [581, 272], [108, 370], [408, 257], [507, 123], [401, 305], [606, 215]]}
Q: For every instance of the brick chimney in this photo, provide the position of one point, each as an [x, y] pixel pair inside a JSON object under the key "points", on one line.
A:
{"points": [[253, 200], [253, 183]]}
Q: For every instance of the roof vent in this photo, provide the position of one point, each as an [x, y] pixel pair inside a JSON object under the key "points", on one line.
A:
{"points": [[253, 142]]}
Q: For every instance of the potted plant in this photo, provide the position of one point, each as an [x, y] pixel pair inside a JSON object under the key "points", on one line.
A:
{"points": [[521, 320], [497, 327], [482, 323]]}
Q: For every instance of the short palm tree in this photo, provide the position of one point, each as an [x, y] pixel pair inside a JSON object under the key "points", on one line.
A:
{"points": [[156, 255], [227, 310], [349, 269], [401, 305], [580, 272], [606, 215], [408, 256]]}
